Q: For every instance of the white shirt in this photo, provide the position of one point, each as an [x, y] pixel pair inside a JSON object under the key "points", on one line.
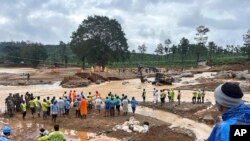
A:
{"points": [[98, 101]]}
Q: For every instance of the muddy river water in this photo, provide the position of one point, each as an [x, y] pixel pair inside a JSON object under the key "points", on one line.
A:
{"points": [[133, 87]]}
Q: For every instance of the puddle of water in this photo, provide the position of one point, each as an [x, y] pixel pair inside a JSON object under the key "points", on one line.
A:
{"points": [[25, 130], [201, 130]]}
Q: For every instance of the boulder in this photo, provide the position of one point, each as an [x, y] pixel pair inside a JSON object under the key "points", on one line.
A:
{"points": [[208, 119], [201, 79], [187, 74], [98, 82], [76, 83], [177, 78], [241, 75], [185, 82], [224, 75], [244, 86]]}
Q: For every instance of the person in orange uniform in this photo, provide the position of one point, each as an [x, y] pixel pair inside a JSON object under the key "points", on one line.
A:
{"points": [[74, 96], [83, 107], [70, 95]]}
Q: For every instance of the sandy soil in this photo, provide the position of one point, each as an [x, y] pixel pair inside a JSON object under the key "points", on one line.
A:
{"points": [[76, 129], [196, 112]]}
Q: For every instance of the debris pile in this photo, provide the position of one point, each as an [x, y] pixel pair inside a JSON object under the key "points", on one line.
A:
{"points": [[132, 126]]}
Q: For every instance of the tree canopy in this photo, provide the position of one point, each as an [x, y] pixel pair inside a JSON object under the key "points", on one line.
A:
{"points": [[99, 40]]}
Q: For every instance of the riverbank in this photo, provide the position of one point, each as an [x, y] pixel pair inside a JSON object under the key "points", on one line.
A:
{"points": [[95, 123]]}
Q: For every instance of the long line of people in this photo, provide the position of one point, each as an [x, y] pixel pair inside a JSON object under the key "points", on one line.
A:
{"points": [[82, 105]]}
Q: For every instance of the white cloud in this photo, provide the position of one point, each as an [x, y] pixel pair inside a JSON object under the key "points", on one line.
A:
{"points": [[143, 21]]}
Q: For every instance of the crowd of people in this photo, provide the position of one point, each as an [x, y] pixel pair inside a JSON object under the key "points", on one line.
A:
{"points": [[228, 99], [80, 103], [198, 96]]}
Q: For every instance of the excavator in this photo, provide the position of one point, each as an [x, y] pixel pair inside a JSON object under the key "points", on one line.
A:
{"points": [[159, 77]]}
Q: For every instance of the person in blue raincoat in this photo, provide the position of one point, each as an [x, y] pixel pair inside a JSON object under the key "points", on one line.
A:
{"points": [[228, 99]]}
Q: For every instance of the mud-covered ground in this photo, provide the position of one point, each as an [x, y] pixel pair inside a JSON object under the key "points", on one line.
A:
{"points": [[205, 113], [95, 123]]}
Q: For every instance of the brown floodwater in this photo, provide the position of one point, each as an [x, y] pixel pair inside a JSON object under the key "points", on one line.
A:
{"points": [[132, 89]]}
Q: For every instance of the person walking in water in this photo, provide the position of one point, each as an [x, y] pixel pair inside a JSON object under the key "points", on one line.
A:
{"points": [[179, 97], [133, 105], [228, 99], [202, 95], [144, 95]]}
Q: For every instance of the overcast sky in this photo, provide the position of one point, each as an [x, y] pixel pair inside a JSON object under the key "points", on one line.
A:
{"points": [[143, 21]]}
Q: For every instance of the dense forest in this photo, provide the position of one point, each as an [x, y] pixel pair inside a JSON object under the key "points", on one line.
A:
{"points": [[101, 41]]}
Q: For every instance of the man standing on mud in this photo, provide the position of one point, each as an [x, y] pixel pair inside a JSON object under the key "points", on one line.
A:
{"points": [[61, 107], [228, 98], [106, 106], [54, 111], [44, 109], [194, 96], [125, 106], [48, 105], [83, 108], [202, 96], [32, 106], [38, 106], [23, 108], [144, 95]]}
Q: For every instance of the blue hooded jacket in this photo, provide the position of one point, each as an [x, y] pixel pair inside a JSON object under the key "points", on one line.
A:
{"points": [[238, 115]]}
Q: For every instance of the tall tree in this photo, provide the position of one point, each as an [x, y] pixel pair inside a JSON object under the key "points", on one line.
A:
{"points": [[159, 50], [167, 47], [63, 52], [246, 39], [142, 49], [183, 47], [211, 49], [173, 50], [99, 40], [201, 38]]}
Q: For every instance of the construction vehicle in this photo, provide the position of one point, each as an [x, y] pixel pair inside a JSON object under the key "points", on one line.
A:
{"points": [[163, 78], [159, 77]]}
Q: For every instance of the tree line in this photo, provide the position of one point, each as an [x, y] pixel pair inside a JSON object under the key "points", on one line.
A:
{"points": [[200, 51], [99, 40]]}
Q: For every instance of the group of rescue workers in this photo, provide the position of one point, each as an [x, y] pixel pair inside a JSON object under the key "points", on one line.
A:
{"points": [[82, 104], [198, 96]]}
